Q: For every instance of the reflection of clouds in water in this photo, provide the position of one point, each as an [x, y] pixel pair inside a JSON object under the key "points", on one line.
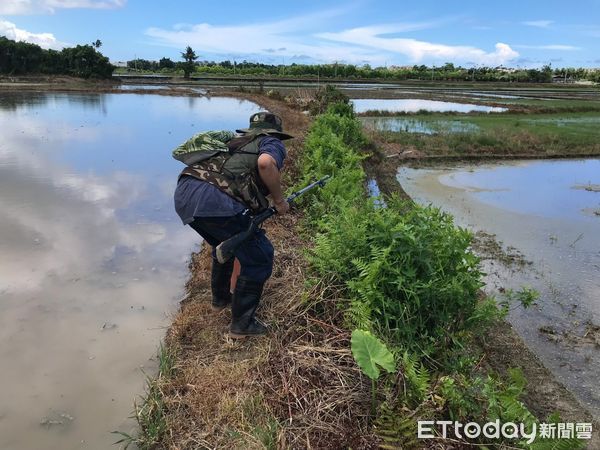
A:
{"points": [[82, 244], [414, 105], [59, 222], [32, 134], [35, 135], [67, 225]]}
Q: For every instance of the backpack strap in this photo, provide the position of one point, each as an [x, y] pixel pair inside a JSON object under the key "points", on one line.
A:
{"points": [[236, 144]]}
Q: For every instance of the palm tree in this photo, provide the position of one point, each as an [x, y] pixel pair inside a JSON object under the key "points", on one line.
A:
{"points": [[190, 57]]}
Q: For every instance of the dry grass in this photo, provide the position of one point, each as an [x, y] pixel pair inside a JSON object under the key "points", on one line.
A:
{"points": [[298, 387]]}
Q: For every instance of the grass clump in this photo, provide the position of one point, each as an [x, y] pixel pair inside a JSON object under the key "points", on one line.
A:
{"points": [[325, 97]]}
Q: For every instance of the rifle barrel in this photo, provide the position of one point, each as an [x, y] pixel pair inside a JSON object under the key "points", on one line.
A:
{"points": [[320, 182], [226, 249]]}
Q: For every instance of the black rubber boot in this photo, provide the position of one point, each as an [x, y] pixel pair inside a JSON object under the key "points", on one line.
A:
{"points": [[245, 301], [220, 280]]}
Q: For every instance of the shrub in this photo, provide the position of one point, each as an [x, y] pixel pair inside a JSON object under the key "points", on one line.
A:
{"points": [[407, 270], [326, 96]]}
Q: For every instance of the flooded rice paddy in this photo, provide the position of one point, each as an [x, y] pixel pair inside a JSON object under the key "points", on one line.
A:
{"points": [[408, 125], [492, 95], [546, 215], [566, 121], [412, 105], [94, 259]]}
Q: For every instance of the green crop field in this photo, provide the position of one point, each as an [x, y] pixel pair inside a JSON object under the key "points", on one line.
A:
{"points": [[544, 134]]}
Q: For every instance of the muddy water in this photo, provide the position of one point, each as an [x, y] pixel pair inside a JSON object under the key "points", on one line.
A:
{"points": [[545, 211], [92, 256]]}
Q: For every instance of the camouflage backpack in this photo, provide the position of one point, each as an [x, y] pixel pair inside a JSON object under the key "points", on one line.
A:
{"points": [[203, 146], [227, 162]]}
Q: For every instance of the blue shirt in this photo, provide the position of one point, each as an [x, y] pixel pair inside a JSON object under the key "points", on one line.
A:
{"points": [[197, 198]]}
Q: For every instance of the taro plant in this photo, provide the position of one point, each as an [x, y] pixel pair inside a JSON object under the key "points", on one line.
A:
{"points": [[370, 354]]}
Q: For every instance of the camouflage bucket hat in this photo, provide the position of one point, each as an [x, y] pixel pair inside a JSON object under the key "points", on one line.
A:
{"points": [[266, 122]]}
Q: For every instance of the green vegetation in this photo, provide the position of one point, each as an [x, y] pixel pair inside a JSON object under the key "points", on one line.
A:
{"points": [[370, 354], [84, 61], [500, 134], [407, 275], [447, 72], [525, 297], [553, 104]]}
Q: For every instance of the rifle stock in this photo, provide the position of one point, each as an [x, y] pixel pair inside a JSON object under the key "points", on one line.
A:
{"points": [[226, 249]]}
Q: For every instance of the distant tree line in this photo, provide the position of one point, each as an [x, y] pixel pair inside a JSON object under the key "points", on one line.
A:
{"points": [[84, 61], [166, 65], [446, 72], [145, 65]]}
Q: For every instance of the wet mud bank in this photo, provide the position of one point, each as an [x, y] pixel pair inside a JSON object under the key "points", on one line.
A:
{"points": [[504, 344], [539, 210]]}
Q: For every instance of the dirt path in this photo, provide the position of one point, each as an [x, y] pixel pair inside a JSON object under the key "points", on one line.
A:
{"points": [[298, 387]]}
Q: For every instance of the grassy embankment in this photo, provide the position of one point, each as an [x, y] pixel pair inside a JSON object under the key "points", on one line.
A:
{"points": [[409, 277], [403, 273]]}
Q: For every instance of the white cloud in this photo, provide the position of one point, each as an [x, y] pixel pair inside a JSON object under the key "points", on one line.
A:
{"points": [[549, 47], [44, 40], [17, 7], [538, 23], [418, 51], [74, 216], [288, 36], [293, 37]]}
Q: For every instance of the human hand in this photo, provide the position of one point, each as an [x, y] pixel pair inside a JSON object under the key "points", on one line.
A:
{"points": [[282, 206]]}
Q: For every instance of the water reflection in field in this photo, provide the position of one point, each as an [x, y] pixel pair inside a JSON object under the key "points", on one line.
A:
{"points": [[412, 105], [408, 125], [93, 256]]}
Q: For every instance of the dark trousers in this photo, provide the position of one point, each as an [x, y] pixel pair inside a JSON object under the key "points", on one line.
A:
{"points": [[255, 254]]}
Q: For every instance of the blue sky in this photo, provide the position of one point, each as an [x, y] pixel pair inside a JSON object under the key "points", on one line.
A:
{"points": [[512, 33]]}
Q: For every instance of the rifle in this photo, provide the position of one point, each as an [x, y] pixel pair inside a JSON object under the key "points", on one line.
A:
{"points": [[226, 249]]}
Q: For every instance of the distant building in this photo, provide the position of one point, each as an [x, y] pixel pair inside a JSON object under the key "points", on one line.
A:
{"points": [[119, 63], [562, 79]]}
